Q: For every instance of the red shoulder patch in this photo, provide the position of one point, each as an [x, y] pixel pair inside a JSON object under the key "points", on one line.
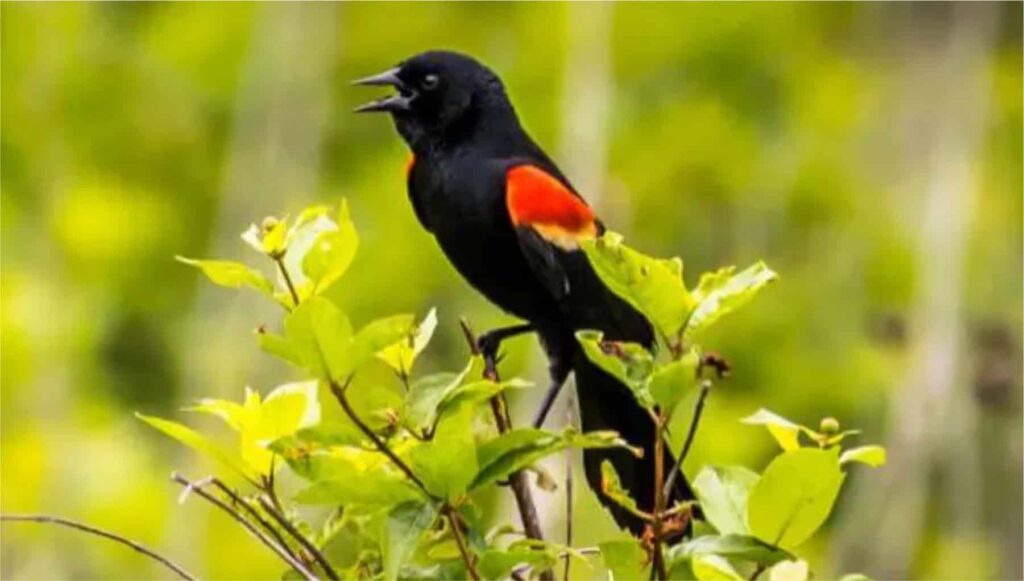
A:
{"points": [[408, 164], [537, 199]]}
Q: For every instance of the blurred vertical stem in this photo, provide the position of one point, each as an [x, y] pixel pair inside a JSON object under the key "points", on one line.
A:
{"points": [[933, 415]]}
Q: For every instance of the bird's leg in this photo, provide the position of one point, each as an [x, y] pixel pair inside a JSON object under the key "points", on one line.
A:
{"points": [[559, 372], [489, 342]]}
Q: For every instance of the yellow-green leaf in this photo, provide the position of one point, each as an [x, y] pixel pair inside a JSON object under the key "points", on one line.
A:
{"points": [[873, 456], [405, 524], [331, 253], [794, 496], [721, 292], [789, 571], [199, 443], [625, 558], [653, 286], [630, 363], [723, 493], [611, 487], [670, 382], [785, 432], [231, 274], [710, 567], [401, 355]]}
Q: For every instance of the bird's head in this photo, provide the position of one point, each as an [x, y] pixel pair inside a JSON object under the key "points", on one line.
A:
{"points": [[439, 95]]}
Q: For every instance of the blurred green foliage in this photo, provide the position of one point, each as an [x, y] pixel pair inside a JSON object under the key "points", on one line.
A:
{"points": [[805, 134]]}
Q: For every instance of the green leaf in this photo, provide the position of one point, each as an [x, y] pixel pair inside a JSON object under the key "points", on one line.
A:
{"points": [[378, 335], [630, 363], [794, 496], [722, 492], [498, 564], [710, 567], [405, 524], [653, 286], [199, 443], [517, 449], [231, 274], [317, 337], [625, 558], [282, 348], [790, 571], [345, 475], [402, 354], [447, 463], [722, 292], [329, 258], [476, 392], [611, 487], [785, 432], [873, 456], [739, 547], [424, 395], [231, 412], [427, 393], [670, 382]]}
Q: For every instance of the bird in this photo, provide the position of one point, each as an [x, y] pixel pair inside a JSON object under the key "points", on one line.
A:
{"points": [[512, 224]]}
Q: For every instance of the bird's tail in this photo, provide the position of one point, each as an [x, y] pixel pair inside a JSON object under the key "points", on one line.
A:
{"points": [[606, 404]]}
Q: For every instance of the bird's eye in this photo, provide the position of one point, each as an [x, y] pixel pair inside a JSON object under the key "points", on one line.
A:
{"points": [[430, 82]]}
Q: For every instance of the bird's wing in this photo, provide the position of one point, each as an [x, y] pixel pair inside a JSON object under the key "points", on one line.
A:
{"points": [[550, 220]]}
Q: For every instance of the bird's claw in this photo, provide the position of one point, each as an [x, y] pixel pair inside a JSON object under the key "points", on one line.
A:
{"points": [[488, 344]]}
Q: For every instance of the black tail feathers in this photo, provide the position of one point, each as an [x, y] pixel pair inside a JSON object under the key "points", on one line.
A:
{"points": [[606, 404]]}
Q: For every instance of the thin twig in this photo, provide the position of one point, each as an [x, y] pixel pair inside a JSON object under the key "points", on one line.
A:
{"points": [[287, 278], [467, 557], [698, 409], [263, 538], [339, 394], [757, 571], [268, 506], [269, 484], [237, 500], [47, 519]]}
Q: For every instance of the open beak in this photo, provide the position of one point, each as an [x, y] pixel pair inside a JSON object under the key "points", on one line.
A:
{"points": [[391, 103]]}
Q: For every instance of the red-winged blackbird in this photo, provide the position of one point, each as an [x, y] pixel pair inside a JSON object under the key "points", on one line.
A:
{"points": [[511, 222]]}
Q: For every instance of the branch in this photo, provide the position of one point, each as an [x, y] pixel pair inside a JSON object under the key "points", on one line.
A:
{"points": [[698, 409], [467, 557], [518, 480], [238, 500], [47, 519], [298, 536], [287, 278], [339, 394], [263, 538]]}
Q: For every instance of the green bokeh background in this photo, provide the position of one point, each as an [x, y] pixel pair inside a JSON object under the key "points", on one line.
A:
{"points": [[871, 153]]}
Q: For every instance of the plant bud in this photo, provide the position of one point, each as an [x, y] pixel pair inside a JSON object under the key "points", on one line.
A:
{"points": [[269, 223], [829, 426]]}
